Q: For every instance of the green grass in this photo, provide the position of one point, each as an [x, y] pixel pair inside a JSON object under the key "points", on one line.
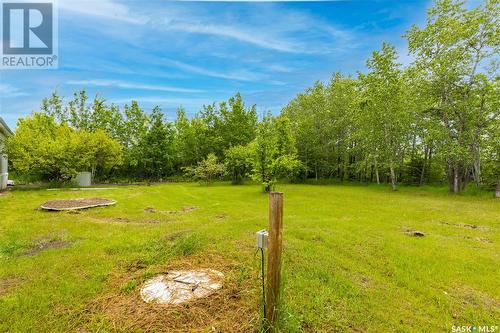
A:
{"points": [[348, 265]]}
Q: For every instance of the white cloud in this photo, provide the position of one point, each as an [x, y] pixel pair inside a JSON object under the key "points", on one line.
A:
{"points": [[131, 85], [241, 34], [107, 9], [241, 75], [279, 35], [8, 91]]}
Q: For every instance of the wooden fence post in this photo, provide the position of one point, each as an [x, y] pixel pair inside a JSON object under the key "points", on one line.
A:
{"points": [[274, 246]]}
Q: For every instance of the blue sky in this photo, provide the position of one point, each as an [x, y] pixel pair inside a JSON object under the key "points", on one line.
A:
{"points": [[173, 53]]}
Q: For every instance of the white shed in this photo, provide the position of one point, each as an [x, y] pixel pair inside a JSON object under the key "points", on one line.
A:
{"points": [[4, 172]]}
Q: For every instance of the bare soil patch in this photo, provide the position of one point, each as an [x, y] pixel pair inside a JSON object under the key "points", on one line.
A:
{"points": [[44, 244], [73, 204], [117, 219], [151, 221], [414, 233], [187, 209], [481, 239], [126, 220], [220, 216], [230, 309], [466, 226]]}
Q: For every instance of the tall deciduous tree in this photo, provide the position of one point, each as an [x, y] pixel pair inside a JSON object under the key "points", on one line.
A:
{"points": [[385, 120], [451, 53], [54, 151]]}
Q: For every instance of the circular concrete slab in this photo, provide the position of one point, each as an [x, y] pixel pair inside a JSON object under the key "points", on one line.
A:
{"points": [[178, 287]]}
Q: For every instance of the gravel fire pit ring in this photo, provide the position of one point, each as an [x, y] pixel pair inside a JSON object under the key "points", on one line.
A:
{"points": [[75, 204]]}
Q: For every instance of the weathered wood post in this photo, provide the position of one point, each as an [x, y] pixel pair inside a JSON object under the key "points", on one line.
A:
{"points": [[274, 246]]}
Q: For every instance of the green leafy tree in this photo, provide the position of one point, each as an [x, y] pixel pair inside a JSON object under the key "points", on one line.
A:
{"points": [[322, 120], [99, 153], [239, 162], [274, 151], [385, 121], [237, 123], [451, 53], [52, 151], [207, 170], [156, 148]]}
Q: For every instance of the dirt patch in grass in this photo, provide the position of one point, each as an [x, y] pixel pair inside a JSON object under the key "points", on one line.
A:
{"points": [[220, 216], [8, 284], [126, 220], [187, 209], [117, 219], [414, 233], [150, 210], [151, 221], [481, 240], [135, 266], [176, 235], [466, 296], [466, 226], [230, 309], [76, 204], [43, 244]]}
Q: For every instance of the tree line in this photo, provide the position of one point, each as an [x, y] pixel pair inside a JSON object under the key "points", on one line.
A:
{"points": [[435, 120]]}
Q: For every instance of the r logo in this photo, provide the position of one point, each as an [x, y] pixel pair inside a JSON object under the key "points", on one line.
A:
{"points": [[27, 28]]}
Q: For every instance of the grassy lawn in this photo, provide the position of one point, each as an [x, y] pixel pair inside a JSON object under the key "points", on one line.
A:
{"points": [[348, 264]]}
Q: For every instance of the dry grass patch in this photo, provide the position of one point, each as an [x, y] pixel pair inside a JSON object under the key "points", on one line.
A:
{"points": [[8, 284], [230, 309]]}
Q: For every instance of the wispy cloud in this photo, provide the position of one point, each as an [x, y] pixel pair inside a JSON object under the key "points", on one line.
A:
{"points": [[241, 75], [9, 91], [280, 35], [131, 85], [108, 9], [238, 33]]}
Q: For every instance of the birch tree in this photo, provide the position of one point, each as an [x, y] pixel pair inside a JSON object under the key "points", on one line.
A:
{"points": [[452, 52], [384, 119]]}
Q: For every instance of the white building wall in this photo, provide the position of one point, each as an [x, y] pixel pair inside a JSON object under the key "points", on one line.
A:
{"points": [[4, 174]]}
